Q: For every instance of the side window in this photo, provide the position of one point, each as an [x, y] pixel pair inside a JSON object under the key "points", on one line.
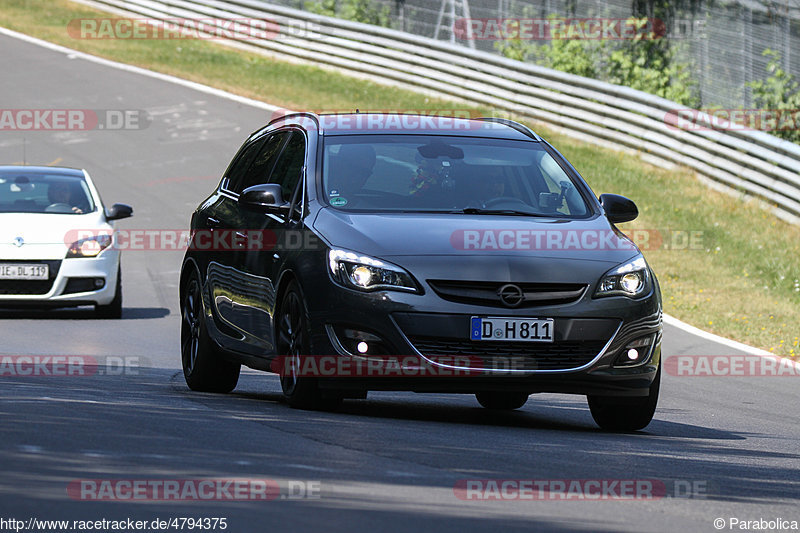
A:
{"points": [[290, 165], [239, 167], [262, 164]]}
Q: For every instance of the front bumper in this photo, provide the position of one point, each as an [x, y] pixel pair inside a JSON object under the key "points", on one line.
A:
{"points": [[591, 335], [71, 283]]}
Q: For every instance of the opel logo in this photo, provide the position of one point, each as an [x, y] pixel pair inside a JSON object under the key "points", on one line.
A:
{"points": [[511, 295], [19, 241]]}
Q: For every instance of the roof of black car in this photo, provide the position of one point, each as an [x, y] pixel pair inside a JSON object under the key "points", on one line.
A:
{"points": [[411, 124]]}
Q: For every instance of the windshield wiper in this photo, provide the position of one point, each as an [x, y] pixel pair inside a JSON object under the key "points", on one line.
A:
{"points": [[478, 211], [509, 212]]}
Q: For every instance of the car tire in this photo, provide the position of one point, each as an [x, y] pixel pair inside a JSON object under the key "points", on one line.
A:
{"points": [[204, 368], [626, 413], [113, 309], [502, 401], [293, 337]]}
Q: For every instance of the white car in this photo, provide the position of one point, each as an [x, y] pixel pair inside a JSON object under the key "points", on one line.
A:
{"points": [[56, 241]]}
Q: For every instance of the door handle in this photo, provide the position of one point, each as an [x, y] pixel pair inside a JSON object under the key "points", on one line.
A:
{"points": [[212, 223]]}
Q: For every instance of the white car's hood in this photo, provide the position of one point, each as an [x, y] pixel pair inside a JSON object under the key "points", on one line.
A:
{"points": [[44, 235]]}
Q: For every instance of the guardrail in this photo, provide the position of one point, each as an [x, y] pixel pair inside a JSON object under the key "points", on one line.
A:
{"points": [[742, 161]]}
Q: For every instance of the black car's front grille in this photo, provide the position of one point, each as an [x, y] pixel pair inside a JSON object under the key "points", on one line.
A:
{"points": [[560, 355], [488, 293], [23, 287]]}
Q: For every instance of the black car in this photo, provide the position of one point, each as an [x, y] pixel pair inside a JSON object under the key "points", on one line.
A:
{"points": [[363, 252]]}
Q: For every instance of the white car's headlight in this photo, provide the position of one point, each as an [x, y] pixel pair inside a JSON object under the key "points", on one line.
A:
{"points": [[630, 279], [365, 273], [89, 247]]}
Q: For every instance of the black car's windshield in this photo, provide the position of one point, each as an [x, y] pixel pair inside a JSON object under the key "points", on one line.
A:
{"points": [[447, 174], [38, 192]]}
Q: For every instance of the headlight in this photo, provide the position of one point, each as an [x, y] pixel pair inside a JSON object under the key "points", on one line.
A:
{"points": [[90, 246], [631, 279], [365, 273]]}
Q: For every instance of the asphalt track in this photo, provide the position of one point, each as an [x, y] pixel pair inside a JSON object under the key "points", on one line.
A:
{"points": [[388, 463]]}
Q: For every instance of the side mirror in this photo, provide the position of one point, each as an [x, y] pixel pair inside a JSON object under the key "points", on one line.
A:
{"points": [[118, 211], [618, 208], [266, 198]]}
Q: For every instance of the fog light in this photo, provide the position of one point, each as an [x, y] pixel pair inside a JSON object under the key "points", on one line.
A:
{"points": [[75, 285], [356, 342], [636, 351]]}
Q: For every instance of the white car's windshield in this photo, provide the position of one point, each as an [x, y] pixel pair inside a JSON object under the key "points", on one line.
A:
{"points": [[37, 192], [446, 174]]}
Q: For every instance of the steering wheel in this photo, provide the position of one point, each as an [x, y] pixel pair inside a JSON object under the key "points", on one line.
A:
{"points": [[59, 207]]}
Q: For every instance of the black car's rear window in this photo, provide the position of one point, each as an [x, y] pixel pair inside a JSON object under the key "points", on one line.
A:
{"points": [[446, 173]]}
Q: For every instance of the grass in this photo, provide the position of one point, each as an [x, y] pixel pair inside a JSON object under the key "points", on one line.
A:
{"points": [[742, 281]]}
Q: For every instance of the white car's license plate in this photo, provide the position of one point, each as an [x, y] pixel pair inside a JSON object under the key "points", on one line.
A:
{"points": [[493, 328], [22, 271]]}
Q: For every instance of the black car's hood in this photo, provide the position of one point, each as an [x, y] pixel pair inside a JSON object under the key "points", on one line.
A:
{"points": [[509, 237]]}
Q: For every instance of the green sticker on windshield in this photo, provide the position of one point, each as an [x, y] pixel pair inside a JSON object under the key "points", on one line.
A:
{"points": [[338, 201]]}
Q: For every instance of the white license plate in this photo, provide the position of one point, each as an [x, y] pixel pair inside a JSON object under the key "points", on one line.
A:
{"points": [[493, 328], [21, 271]]}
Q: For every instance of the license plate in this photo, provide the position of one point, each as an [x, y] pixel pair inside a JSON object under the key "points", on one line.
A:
{"points": [[494, 328], [20, 271]]}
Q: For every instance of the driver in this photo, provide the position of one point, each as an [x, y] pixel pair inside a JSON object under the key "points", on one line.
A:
{"points": [[60, 193]]}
